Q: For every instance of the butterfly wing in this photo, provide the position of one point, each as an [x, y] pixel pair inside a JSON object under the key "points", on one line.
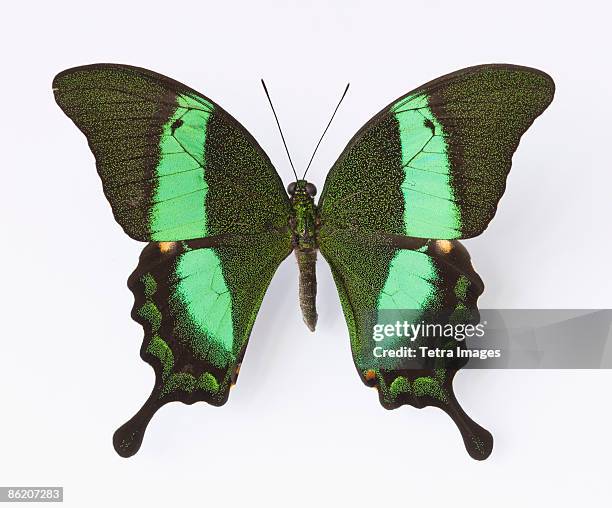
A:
{"points": [[182, 173], [377, 273], [433, 164], [197, 302], [428, 169], [174, 165]]}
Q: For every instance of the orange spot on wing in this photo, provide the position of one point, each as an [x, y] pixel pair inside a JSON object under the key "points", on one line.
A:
{"points": [[370, 375], [445, 246], [166, 246]]}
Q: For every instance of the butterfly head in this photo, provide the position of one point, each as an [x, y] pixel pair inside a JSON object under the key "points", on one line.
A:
{"points": [[301, 188]]}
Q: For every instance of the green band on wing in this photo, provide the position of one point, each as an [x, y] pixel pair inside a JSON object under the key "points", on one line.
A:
{"points": [[204, 295], [178, 206], [430, 210], [410, 283]]}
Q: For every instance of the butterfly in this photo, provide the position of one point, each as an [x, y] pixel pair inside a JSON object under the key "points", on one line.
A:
{"points": [[183, 175]]}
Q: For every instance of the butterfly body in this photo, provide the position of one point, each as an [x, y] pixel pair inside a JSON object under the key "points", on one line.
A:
{"points": [[426, 171], [304, 224]]}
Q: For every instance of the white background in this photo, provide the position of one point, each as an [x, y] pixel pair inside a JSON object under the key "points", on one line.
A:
{"points": [[300, 428]]}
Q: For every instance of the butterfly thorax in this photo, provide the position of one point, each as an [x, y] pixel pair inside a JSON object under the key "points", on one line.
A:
{"points": [[303, 223]]}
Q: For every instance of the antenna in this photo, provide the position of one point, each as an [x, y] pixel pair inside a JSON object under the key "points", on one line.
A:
{"points": [[279, 129], [328, 124]]}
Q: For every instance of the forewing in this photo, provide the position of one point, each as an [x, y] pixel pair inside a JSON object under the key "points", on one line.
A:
{"points": [[197, 302], [377, 273], [433, 164], [174, 165]]}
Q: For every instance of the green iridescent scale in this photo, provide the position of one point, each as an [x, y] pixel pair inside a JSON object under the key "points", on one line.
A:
{"points": [[184, 175]]}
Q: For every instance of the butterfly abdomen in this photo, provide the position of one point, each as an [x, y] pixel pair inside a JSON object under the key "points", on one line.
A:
{"points": [[307, 262]]}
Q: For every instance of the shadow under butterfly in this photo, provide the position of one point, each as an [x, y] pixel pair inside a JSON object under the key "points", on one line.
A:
{"points": [[182, 174]]}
